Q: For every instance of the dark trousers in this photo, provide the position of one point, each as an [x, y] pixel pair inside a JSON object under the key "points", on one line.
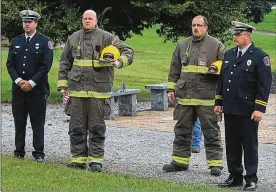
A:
{"points": [[241, 135], [35, 107]]}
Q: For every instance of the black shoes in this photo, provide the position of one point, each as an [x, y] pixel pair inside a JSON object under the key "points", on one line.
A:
{"points": [[216, 171], [230, 182], [38, 159], [173, 167], [250, 186], [96, 167], [18, 157], [76, 165]]}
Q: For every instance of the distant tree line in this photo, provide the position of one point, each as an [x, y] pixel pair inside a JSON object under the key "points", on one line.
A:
{"points": [[60, 18]]}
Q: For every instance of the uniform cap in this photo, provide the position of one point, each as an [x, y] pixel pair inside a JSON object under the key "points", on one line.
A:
{"points": [[238, 27], [29, 15]]}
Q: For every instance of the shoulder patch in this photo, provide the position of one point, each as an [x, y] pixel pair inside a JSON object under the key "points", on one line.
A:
{"points": [[50, 44], [266, 60], [115, 41]]}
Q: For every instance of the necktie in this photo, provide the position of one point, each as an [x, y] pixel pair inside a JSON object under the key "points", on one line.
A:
{"points": [[28, 40], [239, 55]]}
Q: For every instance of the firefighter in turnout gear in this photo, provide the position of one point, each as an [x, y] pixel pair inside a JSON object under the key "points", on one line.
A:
{"points": [[190, 81], [87, 79], [242, 94]]}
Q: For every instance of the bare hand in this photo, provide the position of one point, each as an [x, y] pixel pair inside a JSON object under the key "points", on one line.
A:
{"points": [[171, 96], [21, 83], [218, 110], [257, 115], [65, 95], [26, 86]]}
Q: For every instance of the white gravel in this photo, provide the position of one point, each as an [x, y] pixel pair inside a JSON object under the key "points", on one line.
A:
{"points": [[132, 151]]}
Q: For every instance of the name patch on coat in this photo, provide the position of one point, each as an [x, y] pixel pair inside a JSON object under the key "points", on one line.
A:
{"points": [[266, 61]]}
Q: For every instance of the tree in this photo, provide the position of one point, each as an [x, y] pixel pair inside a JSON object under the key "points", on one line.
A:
{"points": [[60, 18]]}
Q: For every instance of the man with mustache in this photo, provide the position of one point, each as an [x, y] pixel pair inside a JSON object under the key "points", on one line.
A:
{"points": [[86, 76], [188, 80], [242, 94], [29, 61]]}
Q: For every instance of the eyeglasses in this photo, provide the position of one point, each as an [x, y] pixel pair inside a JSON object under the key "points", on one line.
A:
{"points": [[197, 25]]}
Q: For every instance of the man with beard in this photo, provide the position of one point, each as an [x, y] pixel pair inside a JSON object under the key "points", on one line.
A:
{"points": [[188, 80]]}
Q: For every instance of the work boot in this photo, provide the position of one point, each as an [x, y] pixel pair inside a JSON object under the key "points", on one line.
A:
{"points": [[95, 167], [173, 167], [250, 186], [76, 165], [216, 171], [195, 150]]}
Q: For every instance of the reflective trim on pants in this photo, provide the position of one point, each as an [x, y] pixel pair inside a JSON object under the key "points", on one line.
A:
{"points": [[181, 160]]}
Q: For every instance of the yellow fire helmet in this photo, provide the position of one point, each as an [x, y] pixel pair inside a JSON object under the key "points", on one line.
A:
{"points": [[110, 53], [215, 68]]}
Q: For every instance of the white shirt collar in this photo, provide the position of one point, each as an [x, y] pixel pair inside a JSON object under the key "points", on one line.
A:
{"points": [[243, 50], [30, 36]]}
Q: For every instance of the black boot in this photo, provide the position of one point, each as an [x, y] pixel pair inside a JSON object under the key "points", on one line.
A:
{"points": [[76, 165], [250, 186], [173, 167], [231, 182], [95, 167]]}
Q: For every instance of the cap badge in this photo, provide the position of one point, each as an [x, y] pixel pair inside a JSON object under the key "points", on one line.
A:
{"points": [[27, 13]]}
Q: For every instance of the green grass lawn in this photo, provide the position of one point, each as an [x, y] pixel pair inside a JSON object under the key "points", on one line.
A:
{"points": [[26, 175], [269, 23]]}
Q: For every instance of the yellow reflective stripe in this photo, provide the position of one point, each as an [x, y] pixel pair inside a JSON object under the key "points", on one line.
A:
{"points": [[214, 163], [88, 63], [62, 83], [194, 69], [171, 85], [218, 97], [99, 95], [201, 102], [124, 60], [261, 102], [95, 159], [78, 159], [181, 160]]}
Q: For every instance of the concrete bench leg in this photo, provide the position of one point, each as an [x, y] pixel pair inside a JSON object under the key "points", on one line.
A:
{"points": [[159, 99], [127, 105], [112, 106]]}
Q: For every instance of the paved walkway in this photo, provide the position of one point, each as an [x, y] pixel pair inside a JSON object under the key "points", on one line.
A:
{"points": [[163, 121]]}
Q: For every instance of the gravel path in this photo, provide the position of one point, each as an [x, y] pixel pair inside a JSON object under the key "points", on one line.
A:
{"points": [[132, 151]]}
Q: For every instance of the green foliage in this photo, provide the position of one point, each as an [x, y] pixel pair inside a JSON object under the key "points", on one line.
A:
{"points": [[269, 23], [57, 21], [26, 175], [60, 18]]}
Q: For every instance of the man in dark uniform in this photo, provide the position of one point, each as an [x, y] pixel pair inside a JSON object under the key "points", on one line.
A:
{"points": [[242, 95], [29, 61]]}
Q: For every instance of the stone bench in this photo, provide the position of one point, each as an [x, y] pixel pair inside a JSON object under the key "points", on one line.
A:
{"points": [[158, 96], [127, 102]]}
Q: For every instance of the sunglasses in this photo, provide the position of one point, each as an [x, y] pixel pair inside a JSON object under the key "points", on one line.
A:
{"points": [[197, 25]]}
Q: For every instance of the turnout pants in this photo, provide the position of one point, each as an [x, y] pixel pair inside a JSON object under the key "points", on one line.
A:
{"points": [[87, 120], [35, 107], [241, 136], [186, 117]]}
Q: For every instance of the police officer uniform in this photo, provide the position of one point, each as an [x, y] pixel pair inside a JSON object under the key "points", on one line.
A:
{"points": [[243, 87], [30, 59]]}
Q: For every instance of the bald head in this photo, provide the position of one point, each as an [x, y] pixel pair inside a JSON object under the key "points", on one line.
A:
{"points": [[89, 19]]}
